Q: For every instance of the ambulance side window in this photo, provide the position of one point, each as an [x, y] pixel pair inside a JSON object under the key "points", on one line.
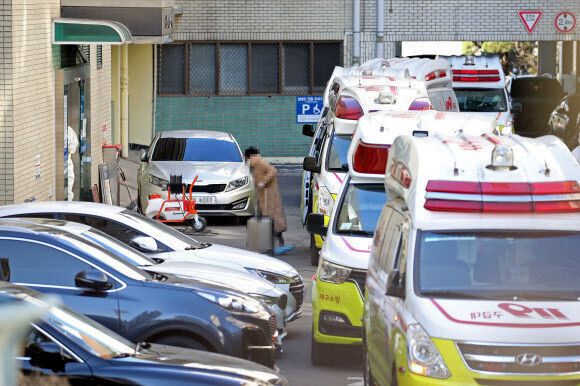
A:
{"points": [[389, 250], [379, 237]]}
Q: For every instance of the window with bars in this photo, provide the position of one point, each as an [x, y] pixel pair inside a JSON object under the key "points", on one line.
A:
{"points": [[99, 57], [253, 68]]}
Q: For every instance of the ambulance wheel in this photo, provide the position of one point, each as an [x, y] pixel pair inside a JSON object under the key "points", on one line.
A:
{"points": [[367, 373], [199, 225], [319, 353], [314, 252]]}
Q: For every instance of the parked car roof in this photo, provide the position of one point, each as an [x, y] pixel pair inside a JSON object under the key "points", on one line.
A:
{"points": [[196, 134]]}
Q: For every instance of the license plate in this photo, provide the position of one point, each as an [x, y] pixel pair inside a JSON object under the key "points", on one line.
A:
{"points": [[205, 200]]}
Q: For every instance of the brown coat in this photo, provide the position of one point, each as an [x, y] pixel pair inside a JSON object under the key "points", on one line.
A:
{"points": [[269, 199]]}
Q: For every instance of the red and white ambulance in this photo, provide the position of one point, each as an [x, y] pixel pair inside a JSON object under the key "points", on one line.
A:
{"points": [[337, 292], [474, 266]]}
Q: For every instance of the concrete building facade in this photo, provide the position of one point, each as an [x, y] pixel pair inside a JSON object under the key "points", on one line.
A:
{"points": [[209, 33]]}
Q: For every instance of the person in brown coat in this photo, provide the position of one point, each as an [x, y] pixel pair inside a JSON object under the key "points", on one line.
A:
{"points": [[268, 193]]}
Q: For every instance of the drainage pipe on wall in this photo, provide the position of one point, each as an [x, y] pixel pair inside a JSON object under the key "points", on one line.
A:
{"points": [[356, 33], [380, 28]]}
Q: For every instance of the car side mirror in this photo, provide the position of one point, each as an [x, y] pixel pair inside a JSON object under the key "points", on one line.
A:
{"points": [[310, 165], [93, 279], [144, 244], [396, 284], [315, 224], [143, 155], [517, 107], [48, 355], [308, 130]]}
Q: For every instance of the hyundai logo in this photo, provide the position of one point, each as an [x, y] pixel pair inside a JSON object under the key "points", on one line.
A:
{"points": [[528, 359]]}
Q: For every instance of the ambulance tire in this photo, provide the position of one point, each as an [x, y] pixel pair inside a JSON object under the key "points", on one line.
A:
{"points": [[319, 353], [367, 374], [314, 252]]}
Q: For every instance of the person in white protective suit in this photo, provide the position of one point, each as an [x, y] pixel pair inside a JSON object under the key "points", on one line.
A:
{"points": [[73, 145]]}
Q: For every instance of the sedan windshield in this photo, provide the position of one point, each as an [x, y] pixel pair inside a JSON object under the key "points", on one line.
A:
{"points": [[499, 265], [196, 149], [337, 151], [92, 336], [360, 209], [481, 100]]}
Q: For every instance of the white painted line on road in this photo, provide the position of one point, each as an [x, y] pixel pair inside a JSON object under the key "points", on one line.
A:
{"points": [[355, 381]]}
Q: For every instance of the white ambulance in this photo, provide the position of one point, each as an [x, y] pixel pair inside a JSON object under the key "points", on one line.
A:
{"points": [[351, 97], [474, 267], [480, 86], [337, 292]]}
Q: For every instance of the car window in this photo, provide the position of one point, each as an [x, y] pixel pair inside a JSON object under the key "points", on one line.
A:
{"points": [[337, 152], [380, 237], [360, 209], [33, 263], [481, 100], [33, 215], [196, 149], [119, 231], [537, 87]]}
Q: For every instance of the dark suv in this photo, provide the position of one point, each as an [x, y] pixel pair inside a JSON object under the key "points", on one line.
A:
{"points": [[67, 344], [139, 305], [538, 96]]}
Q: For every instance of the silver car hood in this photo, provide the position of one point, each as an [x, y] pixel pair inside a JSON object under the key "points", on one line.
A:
{"points": [[207, 172], [235, 258], [242, 281]]}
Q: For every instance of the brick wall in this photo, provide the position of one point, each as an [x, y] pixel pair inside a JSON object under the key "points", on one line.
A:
{"points": [[33, 97], [462, 20], [263, 20], [6, 120]]}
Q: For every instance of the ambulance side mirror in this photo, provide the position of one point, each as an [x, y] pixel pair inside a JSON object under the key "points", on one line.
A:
{"points": [[308, 130], [310, 165], [517, 107], [315, 224], [396, 284]]}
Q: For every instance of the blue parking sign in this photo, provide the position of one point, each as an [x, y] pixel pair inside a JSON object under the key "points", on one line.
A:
{"points": [[308, 109]]}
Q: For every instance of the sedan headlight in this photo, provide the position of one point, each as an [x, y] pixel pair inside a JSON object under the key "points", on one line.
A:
{"points": [[271, 276], [231, 302], [325, 201], [236, 184], [333, 273], [158, 181], [422, 355]]}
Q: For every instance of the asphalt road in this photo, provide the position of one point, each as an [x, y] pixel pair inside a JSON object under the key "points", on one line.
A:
{"points": [[346, 368]]}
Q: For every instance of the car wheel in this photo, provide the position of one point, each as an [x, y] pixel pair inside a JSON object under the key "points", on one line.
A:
{"points": [[181, 341], [367, 373], [319, 353], [199, 225], [314, 252]]}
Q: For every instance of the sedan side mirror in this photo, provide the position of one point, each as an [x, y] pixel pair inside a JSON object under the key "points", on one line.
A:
{"points": [[144, 244], [517, 107], [308, 130], [396, 284], [93, 279], [48, 355], [310, 165], [315, 224], [143, 155]]}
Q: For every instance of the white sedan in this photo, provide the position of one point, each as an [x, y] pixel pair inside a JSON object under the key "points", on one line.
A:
{"points": [[224, 185], [167, 243]]}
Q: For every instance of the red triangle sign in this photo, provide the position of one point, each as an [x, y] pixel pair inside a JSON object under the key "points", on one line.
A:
{"points": [[530, 19]]}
